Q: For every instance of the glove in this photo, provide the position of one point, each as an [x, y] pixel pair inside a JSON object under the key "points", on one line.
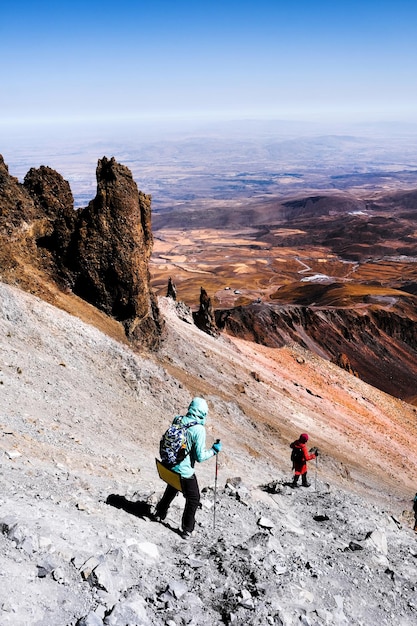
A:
{"points": [[316, 452], [217, 447]]}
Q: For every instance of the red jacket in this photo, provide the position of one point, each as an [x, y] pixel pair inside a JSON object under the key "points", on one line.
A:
{"points": [[300, 466]]}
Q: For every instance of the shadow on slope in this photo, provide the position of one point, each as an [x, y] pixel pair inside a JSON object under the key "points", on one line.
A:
{"points": [[138, 508]]}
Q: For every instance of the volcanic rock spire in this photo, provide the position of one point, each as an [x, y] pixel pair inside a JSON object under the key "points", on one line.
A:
{"points": [[204, 318], [110, 252]]}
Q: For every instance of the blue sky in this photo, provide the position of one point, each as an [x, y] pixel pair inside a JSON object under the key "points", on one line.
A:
{"points": [[310, 60]]}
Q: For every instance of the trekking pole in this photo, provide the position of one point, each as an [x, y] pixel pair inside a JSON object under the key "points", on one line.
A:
{"points": [[315, 477], [215, 489]]}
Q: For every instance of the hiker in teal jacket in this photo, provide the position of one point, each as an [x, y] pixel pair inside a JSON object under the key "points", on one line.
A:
{"points": [[196, 453]]}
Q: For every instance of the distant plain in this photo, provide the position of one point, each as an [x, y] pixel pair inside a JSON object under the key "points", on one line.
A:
{"points": [[218, 193]]}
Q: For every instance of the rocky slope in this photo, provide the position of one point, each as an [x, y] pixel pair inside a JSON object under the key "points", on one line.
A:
{"points": [[80, 421], [380, 345]]}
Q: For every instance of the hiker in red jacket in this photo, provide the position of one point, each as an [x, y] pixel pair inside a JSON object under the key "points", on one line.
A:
{"points": [[299, 456]]}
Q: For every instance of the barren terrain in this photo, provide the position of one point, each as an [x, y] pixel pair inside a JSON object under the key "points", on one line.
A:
{"points": [[335, 272], [81, 418], [82, 413], [255, 247]]}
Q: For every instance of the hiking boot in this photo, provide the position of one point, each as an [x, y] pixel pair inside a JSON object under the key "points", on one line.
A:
{"points": [[186, 534], [304, 480], [159, 517]]}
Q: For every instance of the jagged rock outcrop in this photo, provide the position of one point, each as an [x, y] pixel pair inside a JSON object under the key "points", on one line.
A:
{"points": [[343, 361], [204, 318], [16, 207], [171, 289], [109, 253], [21, 226], [101, 252], [54, 206], [51, 194]]}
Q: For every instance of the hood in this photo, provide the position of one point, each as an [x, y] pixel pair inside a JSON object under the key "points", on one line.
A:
{"points": [[198, 410]]}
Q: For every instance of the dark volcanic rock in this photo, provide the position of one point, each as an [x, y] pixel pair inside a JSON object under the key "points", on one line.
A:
{"points": [[110, 251], [16, 206], [204, 318], [20, 227], [171, 290], [51, 194], [342, 361], [102, 251], [54, 204]]}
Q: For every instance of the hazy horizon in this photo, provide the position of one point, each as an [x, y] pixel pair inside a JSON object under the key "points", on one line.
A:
{"points": [[221, 161]]}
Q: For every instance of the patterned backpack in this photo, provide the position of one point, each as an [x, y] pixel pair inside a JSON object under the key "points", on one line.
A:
{"points": [[173, 444]]}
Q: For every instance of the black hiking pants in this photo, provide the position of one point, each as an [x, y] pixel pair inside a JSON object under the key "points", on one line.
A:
{"points": [[191, 494]]}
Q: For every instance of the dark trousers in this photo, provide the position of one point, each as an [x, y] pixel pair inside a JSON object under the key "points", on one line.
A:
{"points": [[191, 494], [303, 479]]}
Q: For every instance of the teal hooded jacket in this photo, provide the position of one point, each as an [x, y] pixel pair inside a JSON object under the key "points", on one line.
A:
{"points": [[196, 438]]}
